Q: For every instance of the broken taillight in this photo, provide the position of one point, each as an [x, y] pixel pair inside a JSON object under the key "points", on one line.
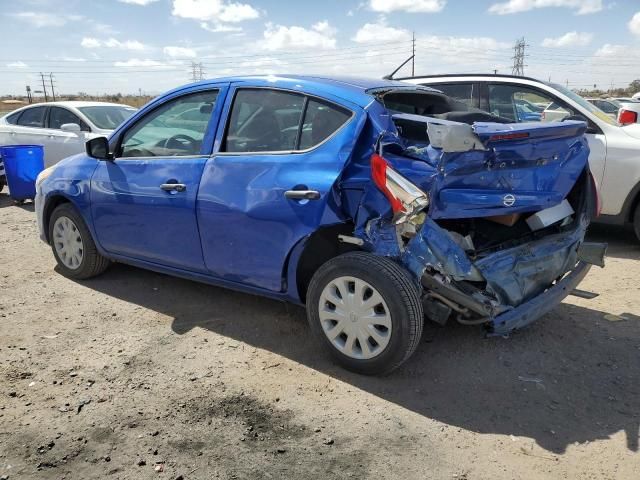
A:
{"points": [[627, 117], [405, 198]]}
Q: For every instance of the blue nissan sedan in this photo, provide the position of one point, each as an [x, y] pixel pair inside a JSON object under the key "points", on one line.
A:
{"points": [[375, 203]]}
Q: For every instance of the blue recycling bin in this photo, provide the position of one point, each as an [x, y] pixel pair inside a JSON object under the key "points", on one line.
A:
{"points": [[22, 164]]}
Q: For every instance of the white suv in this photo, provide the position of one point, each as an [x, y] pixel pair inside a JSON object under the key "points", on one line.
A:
{"points": [[615, 149]]}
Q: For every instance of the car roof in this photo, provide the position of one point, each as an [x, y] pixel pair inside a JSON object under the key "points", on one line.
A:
{"points": [[490, 75], [76, 104], [353, 89]]}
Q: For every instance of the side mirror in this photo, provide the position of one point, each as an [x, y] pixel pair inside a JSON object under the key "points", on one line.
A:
{"points": [[70, 127], [98, 148]]}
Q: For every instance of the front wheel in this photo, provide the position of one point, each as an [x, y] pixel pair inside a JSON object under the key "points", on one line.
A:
{"points": [[72, 244], [366, 310]]}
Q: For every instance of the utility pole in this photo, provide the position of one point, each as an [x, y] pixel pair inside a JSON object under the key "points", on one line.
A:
{"points": [[413, 55], [197, 72], [194, 77], [44, 87], [518, 57], [53, 92], [495, 71]]}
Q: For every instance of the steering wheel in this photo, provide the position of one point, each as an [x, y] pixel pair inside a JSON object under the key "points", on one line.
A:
{"points": [[180, 141]]}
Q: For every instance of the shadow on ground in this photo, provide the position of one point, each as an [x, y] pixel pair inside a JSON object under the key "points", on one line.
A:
{"points": [[571, 377], [7, 201], [622, 241]]}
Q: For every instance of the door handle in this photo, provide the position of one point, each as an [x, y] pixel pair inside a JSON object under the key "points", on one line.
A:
{"points": [[173, 187], [302, 194]]}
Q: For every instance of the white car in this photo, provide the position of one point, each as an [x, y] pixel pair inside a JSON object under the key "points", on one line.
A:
{"points": [[61, 127], [614, 146], [608, 106]]}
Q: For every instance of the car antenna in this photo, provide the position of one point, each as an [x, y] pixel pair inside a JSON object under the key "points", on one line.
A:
{"points": [[390, 76]]}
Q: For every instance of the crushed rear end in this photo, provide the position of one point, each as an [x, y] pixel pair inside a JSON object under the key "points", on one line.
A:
{"points": [[490, 218]]}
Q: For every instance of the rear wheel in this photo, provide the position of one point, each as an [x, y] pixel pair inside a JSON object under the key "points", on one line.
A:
{"points": [[72, 244], [636, 221], [366, 311]]}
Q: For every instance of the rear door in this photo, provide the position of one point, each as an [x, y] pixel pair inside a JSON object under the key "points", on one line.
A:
{"points": [[144, 202], [269, 183], [30, 128]]}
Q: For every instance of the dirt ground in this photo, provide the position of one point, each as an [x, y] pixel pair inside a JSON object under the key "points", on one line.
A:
{"points": [[136, 375]]}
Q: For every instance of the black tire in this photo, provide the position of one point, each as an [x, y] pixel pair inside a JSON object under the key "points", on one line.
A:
{"points": [[2, 185], [92, 263], [400, 294], [636, 222]]}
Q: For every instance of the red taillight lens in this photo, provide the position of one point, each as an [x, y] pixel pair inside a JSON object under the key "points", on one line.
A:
{"points": [[405, 198], [625, 117]]}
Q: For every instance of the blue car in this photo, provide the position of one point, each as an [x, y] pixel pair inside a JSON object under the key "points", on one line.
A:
{"points": [[374, 203]]}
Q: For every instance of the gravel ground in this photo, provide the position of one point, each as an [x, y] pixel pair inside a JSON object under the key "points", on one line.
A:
{"points": [[136, 375]]}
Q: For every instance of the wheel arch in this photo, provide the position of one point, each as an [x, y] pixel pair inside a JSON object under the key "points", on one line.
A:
{"points": [[50, 205], [311, 253]]}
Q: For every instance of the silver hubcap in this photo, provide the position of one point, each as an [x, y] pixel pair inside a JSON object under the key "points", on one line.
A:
{"points": [[68, 242], [355, 318]]}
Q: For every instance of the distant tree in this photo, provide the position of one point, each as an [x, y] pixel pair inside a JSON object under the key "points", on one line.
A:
{"points": [[634, 86]]}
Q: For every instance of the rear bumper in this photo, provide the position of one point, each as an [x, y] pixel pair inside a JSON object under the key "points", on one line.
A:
{"points": [[528, 312]]}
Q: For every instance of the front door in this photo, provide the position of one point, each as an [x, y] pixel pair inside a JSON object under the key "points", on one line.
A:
{"points": [[63, 144], [144, 202], [269, 184]]}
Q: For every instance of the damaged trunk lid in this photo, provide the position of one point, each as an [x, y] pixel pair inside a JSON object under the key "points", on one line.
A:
{"points": [[492, 169]]}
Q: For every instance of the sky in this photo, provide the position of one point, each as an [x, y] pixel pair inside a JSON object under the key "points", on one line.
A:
{"points": [[131, 46]]}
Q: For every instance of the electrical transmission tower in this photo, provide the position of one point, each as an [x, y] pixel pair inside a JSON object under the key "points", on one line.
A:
{"points": [[518, 57], [197, 72]]}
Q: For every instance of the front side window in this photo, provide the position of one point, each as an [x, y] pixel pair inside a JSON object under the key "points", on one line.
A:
{"points": [[108, 117], [264, 120], [176, 128], [32, 117], [59, 116], [522, 104]]}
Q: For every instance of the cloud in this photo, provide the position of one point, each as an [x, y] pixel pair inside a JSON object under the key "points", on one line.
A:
{"points": [[40, 20], [634, 24], [138, 2], [278, 37], [214, 10], [90, 42], [219, 28], [179, 52], [134, 62], [17, 65], [609, 50], [373, 32], [582, 7], [569, 39], [413, 6]]}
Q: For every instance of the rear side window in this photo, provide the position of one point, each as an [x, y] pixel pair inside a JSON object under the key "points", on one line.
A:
{"points": [[59, 116], [264, 120], [13, 118], [32, 117], [462, 92], [320, 122]]}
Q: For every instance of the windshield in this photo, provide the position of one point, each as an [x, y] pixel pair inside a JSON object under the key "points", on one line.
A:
{"points": [[583, 103], [107, 117]]}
